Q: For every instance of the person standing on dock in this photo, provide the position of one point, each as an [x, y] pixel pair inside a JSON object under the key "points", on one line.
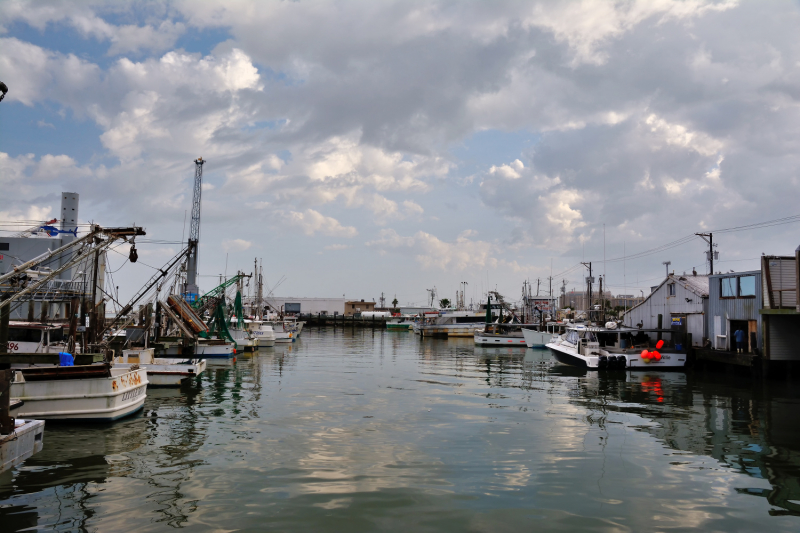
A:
{"points": [[739, 336]]}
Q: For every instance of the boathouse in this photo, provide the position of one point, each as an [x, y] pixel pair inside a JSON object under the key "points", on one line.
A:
{"points": [[679, 303], [734, 301]]}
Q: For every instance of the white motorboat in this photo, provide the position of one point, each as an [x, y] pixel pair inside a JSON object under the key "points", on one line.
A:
{"points": [[598, 348], [99, 392], [26, 440], [245, 340], [161, 372], [261, 331]]}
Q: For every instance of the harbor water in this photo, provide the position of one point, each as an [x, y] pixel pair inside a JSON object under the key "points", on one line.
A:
{"points": [[360, 430]]}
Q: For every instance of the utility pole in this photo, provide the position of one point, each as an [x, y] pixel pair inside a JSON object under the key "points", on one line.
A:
{"points": [[666, 265], [538, 282], [710, 253], [589, 282]]}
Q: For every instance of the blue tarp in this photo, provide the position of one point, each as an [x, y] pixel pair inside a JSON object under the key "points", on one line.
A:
{"points": [[66, 359]]}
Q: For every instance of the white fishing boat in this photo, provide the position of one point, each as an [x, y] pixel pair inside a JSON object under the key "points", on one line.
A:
{"points": [[598, 348], [161, 372], [210, 348], [26, 440], [451, 324], [100, 392], [500, 334], [539, 337], [283, 331], [245, 340], [262, 331]]}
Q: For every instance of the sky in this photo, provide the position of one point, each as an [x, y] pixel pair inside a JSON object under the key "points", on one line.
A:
{"points": [[359, 148]]}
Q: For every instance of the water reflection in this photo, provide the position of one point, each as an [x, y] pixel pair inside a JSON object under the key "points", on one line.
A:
{"points": [[371, 430]]}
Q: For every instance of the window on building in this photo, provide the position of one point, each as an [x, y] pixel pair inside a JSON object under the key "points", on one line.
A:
{"points": [[671, 289], [728, 287], [4, 246], [747, 286]]}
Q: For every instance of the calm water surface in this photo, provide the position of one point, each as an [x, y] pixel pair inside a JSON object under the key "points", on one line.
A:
{"points": [[383, 431]]}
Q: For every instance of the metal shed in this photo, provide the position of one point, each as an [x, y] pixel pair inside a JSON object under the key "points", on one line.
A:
{"points": [[734, 300]]}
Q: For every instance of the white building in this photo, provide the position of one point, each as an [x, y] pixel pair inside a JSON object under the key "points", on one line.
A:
{"points": [[314, 306], [682, 302]]}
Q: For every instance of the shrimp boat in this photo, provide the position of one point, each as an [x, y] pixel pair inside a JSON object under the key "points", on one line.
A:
{"points": [[161, 372], [98, 392], [616, 348]]}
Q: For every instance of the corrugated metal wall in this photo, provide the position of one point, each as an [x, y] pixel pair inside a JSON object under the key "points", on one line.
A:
{"points": [[732, 308], [782, 277], [784, 337]]}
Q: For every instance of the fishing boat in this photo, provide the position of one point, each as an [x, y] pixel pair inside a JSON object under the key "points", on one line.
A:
{"points": [[500, 334], [211, 348], [616, 348], [161, 372], [261, 331], [451, 324], [99, 392], [539, 337], [244, 338]]}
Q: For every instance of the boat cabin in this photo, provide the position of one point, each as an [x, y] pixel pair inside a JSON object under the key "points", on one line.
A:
{"points": [[29, 337]]}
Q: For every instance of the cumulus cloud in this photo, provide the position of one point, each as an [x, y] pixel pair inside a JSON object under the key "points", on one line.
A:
{"points": [[311, 222], [433, 253], [236, 245]]}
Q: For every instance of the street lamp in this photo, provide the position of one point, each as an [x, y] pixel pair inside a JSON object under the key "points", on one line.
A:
{"points": [[666, 265]]}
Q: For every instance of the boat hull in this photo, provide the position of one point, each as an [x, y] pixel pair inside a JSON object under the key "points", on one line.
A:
{"points": [[101, 399], [536, 339], [26, 440], [565, 355], [482, 339], [207, 351]]}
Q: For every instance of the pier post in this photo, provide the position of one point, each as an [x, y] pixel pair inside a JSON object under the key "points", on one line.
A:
{"points": [[660, 323], [6, 422], [5, 316]]}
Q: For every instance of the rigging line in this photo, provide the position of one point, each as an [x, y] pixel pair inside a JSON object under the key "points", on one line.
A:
{"points": [[140, 261]]}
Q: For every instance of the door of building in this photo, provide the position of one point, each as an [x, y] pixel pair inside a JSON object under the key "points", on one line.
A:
{"points": [[750, 328]]}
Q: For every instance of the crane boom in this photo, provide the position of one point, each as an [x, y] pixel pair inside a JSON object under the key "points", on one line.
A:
{"points": [[192, 289]]}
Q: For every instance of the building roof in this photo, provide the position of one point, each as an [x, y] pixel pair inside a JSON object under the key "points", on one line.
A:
{"points": [[697, 284]]}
